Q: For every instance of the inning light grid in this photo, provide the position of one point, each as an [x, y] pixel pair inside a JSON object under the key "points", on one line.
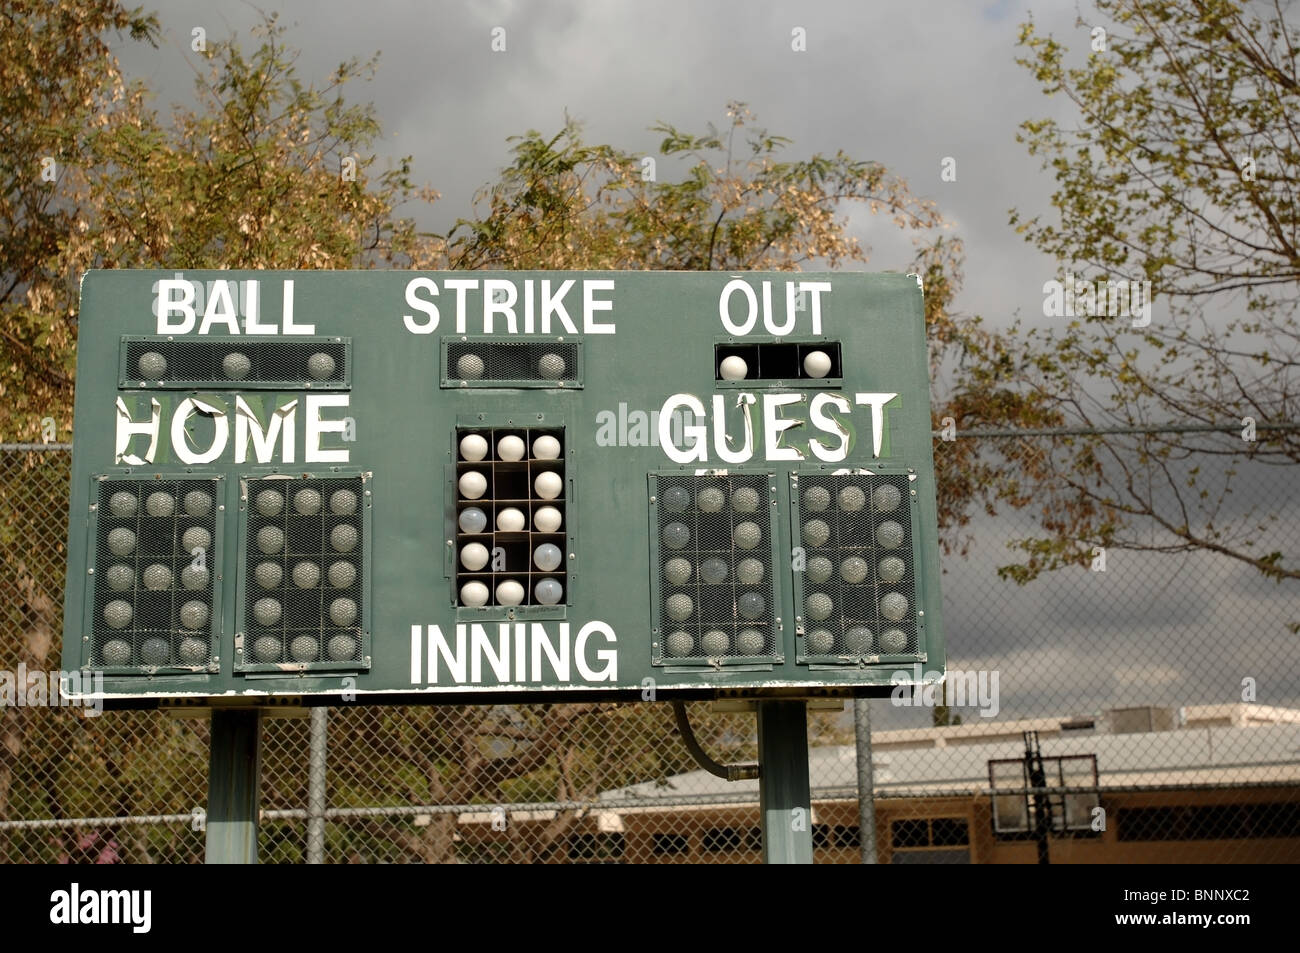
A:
{"points": [[854, 568], [157, 541], [714, 590], [511, 540], [305, 580]]}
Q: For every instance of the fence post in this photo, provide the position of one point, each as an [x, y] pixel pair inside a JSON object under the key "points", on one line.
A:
{"points": [[866, 780], [316, 786]]}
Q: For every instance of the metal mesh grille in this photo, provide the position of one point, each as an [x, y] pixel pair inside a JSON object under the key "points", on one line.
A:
{"points": [[305, 572], [511, 515], [153, 587], [317, 362], [536, 363], [856, 589], [713, 550]]}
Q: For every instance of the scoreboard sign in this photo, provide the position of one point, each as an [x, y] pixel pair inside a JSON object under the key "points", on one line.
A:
{"points": [[405, 486]]}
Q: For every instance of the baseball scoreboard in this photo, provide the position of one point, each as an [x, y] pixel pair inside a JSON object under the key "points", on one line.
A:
{"points": [[352, 487]]}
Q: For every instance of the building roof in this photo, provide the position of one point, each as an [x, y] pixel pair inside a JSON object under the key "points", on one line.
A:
{"points": [[1267, 753]]}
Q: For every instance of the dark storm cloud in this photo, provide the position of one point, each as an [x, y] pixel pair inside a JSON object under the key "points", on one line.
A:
{"points": [[906, 84]]}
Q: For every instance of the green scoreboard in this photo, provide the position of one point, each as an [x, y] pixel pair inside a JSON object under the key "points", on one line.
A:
{"points": [[410, 486]]}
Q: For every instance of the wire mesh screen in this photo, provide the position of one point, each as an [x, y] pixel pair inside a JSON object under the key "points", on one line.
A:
{"points": [[305, 574], [855, 581], [488, 363], [713, 555], [154, 585], [1176, 670], [173, 363]]}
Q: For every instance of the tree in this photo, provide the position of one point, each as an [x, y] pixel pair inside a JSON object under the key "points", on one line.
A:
{"points": [[128, 189], [59, 85], [1182, 173], [255, 177]]}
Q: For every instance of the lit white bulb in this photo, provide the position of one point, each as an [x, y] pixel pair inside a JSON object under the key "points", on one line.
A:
{"points": [[510, 448], [267, 611], [474, 556], [118, 614], [121, 541], [733, 368], [546, 448], [321, 366], [473, 448], [236, 366], [159, 504], [547, 519], [510, 593], [472, 485], [510, 520], [548, 485], [473, 594], [817, 363], [153, 365], [894, 641], [268, 502]]}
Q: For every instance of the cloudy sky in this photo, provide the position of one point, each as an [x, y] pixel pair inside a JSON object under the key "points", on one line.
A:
{"points": [[903, 82]]}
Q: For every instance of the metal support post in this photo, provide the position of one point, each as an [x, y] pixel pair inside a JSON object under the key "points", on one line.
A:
{"points": [[234, 786], [785, 797]]}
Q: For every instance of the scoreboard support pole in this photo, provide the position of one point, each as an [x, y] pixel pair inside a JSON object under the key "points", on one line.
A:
{"points": [[234, 785], [784, 792]]}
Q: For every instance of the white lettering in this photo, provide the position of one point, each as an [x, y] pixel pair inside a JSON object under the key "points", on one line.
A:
{"points": [[774, 425], [504, 307], [287, 319], [460, 286], [590, 305], [165, 306], [696, 434], [877, 404], [128, 428], [554, 304], [560, 661], [824, 422], [220, 309], [180, 436], [724, 307], [428, 307], [247, 426], [609, 656], [316, 427]]}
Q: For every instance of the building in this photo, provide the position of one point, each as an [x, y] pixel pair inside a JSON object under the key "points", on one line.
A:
{"points": [[1208, 783]]}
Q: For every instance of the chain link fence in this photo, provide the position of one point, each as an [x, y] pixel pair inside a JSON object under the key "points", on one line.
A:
{"points": [[1141, 706]]}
